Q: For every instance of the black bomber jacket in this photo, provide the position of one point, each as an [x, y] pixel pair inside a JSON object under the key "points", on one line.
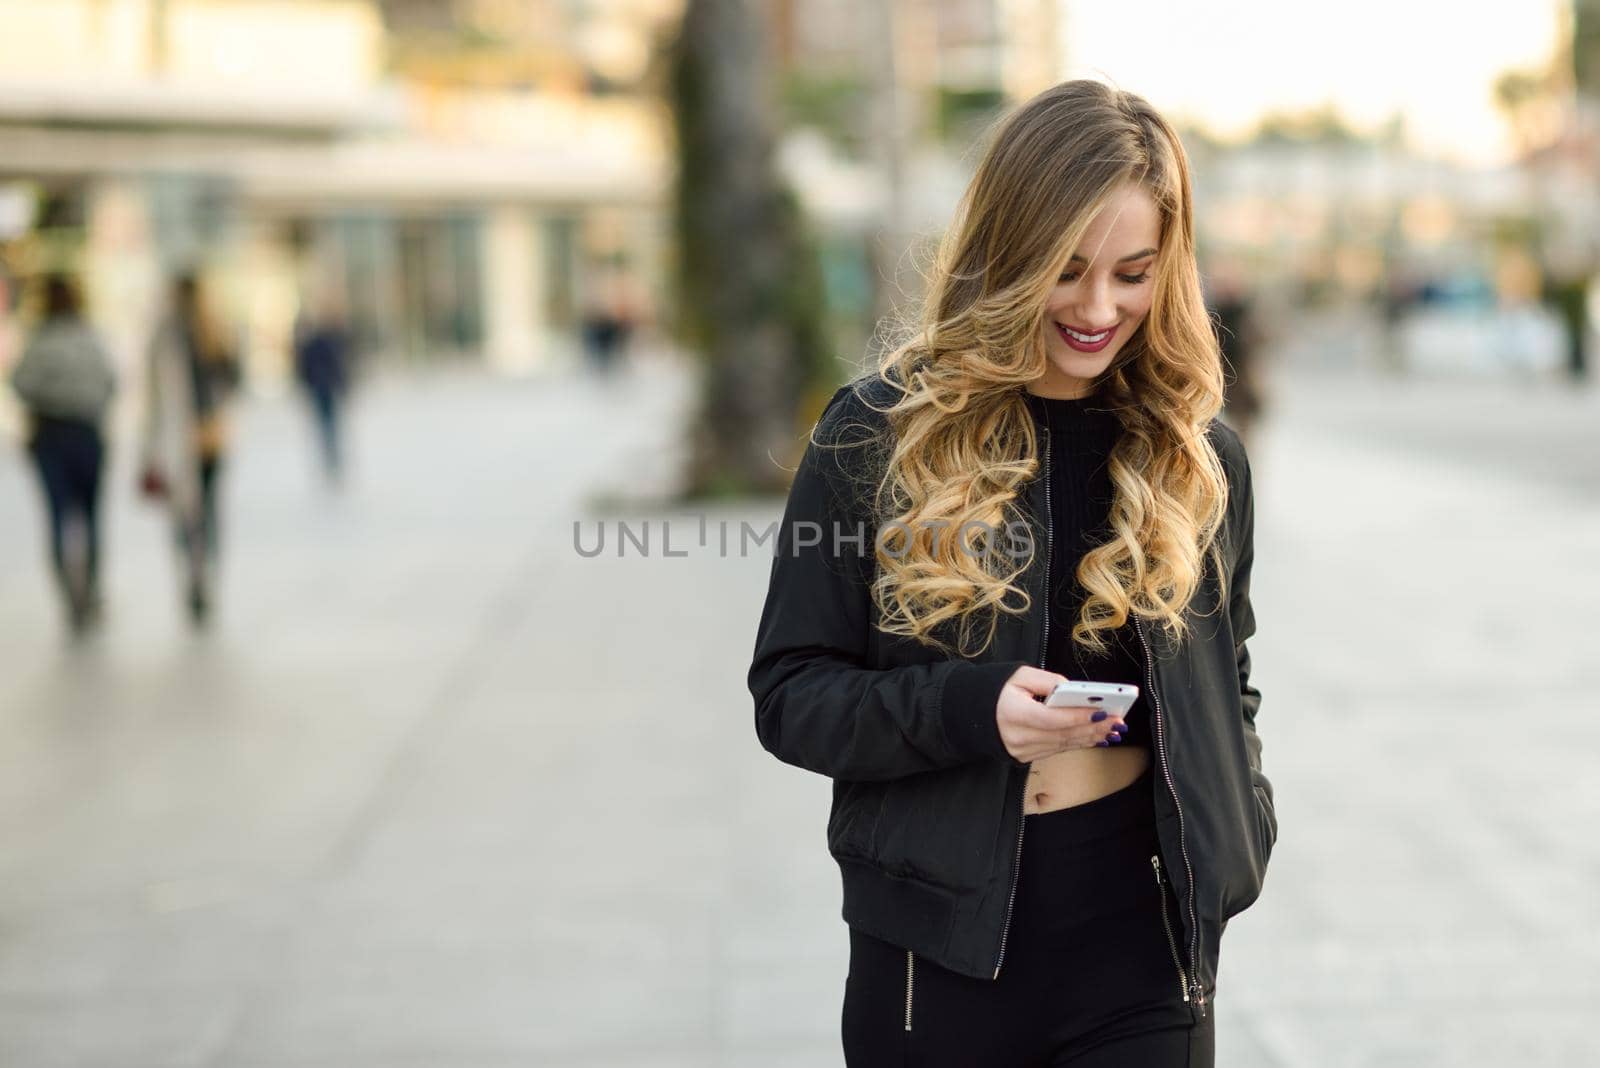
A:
{"points": [[927, 816]]}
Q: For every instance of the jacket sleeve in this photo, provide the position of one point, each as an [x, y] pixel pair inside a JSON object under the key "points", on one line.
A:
{"points": [[1241, 616], [26, 375], [819, 704]]}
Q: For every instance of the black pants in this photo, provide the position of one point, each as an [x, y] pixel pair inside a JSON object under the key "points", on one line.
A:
{"points": [[200, 536], [69, 456], [1090, 977], [325, 404]]}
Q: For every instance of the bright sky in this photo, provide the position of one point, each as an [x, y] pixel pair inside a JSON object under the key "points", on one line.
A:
{"points": [[1225, 62]]}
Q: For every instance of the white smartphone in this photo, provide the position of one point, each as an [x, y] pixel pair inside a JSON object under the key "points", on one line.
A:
{"points": [[1115, 697]]}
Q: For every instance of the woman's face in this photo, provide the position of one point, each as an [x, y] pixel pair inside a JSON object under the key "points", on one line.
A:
{"points": [[1103, 294]]}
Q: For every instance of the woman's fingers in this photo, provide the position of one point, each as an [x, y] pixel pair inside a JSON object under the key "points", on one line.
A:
{"points": [[1091, 732], [1036, 681], [1043, 731], [1117, 729], [1045, 718]]}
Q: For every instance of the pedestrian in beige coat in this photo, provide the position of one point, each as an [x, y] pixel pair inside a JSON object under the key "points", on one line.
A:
{"points": [[191, 372]]}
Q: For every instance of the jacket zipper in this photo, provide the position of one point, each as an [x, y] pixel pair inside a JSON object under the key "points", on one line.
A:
{"points": [[1044, 647], [910, 962], [1183, 981], [1198, 992]]}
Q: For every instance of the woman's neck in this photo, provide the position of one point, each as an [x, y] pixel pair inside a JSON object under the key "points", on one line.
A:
{"points": [[1074, 389], [1083, 393], [1061, 387]]}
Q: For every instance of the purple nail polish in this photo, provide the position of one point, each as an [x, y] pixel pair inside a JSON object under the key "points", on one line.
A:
{"points": [[1115, 738], [1099, 714]]}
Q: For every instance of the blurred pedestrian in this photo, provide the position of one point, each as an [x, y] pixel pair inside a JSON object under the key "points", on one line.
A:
{"points": [[322, 354], [65, 381], [192, 370], [608, 316], [1234, 319], [1567, 291]]}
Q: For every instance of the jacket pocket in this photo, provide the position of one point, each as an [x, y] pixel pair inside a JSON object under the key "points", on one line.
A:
{"points": [[1268, 819], [943, 827], [853, 822], [1244, 884]]}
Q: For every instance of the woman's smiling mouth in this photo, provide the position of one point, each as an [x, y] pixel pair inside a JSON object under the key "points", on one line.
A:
{"points": [[1085, 342]]}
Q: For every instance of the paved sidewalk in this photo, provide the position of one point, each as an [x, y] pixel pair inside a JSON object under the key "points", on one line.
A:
{"points": [[1426, 580], [440, 791]]}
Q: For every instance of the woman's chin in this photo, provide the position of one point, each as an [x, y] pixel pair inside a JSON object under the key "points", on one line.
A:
{"points": [[1080, 364]]}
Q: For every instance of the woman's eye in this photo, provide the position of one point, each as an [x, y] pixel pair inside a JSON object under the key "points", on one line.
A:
{"points": [[1132, 280]]}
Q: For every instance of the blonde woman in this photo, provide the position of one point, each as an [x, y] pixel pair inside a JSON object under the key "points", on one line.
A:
{"points": [[191, 372], [1032, 487]]}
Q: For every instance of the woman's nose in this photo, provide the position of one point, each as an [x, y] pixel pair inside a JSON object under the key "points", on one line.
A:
{"points": [[1096, 309]]}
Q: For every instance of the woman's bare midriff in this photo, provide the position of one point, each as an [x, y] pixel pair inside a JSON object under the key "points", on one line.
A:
{"points": [[1080, 775]]}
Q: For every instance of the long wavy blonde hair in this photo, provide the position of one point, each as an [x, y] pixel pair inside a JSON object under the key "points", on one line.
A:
{"points": [[961, 442]]}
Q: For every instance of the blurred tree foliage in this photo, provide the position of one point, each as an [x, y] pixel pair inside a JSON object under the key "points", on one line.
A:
{"points": [[1323, 126], [958, 114], [1585, 37], [832, 103]]}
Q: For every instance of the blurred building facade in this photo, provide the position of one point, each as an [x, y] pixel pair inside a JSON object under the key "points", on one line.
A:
{"points": [[453, 168], [448, 190]]}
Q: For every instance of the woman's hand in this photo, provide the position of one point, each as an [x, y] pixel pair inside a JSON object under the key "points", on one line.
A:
{"points": [[1032, 730]]}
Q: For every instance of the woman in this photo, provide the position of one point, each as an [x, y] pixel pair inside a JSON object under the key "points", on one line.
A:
{"points": [[191, 372], [1047, 495], [66, 381]]}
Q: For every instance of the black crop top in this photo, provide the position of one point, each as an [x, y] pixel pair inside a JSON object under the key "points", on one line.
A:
{"points": [[1081, 437]]}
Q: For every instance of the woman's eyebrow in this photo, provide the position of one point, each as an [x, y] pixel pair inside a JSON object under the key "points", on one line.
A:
{"points": [[1141, 254]]}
